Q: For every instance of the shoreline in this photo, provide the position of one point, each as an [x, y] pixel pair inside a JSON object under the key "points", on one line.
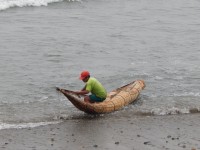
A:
{"points": [[172, 132]]}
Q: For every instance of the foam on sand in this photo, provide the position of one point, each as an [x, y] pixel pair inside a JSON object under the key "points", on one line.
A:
{"points": [[25, 125]]}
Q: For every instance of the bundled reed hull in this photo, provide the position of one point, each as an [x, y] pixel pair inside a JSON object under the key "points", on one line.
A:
{"points": [[115, 100]]}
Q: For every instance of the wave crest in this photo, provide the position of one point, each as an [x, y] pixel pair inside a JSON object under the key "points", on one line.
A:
{"points": [[5, 4]]}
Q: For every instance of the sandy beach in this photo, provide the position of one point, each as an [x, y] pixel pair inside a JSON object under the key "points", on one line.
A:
{"points": [[173, 132]]}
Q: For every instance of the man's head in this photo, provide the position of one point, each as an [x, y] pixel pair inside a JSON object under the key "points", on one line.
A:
{"points": [[84, 76]]}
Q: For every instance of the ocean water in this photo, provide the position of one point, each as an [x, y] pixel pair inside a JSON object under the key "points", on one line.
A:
{"points": [[47, 43]]}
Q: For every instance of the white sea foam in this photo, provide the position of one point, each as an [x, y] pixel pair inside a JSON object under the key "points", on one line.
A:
{"points": [[184, 94], [170, 111], [12, 102], [25, 125], [5, 4], [188, 94], [158, 78]]}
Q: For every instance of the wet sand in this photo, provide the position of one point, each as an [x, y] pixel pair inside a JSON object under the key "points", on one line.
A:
{"points": [[173, 132]]}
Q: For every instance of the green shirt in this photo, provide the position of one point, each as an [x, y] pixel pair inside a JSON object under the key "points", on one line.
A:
{"points": [[96, 88]]}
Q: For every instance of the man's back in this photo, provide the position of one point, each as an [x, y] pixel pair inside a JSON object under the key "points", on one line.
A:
{"points": [[95, 87]]}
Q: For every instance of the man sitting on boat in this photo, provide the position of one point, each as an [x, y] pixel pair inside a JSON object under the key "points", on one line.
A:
{"points": [[98, 92]]}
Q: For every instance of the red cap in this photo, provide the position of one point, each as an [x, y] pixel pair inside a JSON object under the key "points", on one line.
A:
{"points": [[84, 75]]}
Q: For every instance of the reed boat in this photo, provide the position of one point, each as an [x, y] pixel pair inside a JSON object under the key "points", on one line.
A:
{"points": [[115, 100]]}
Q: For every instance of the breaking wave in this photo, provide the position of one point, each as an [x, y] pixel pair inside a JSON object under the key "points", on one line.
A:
{"points": [[5, 4]]}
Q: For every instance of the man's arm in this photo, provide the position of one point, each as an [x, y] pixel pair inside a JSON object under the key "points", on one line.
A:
{"points": [[82, 92]]}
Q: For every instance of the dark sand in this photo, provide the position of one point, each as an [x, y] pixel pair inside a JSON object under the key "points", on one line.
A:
{"points": [[174, 132]]}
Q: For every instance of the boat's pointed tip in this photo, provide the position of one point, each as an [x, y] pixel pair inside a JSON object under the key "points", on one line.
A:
{"points": [[57, 88]]}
